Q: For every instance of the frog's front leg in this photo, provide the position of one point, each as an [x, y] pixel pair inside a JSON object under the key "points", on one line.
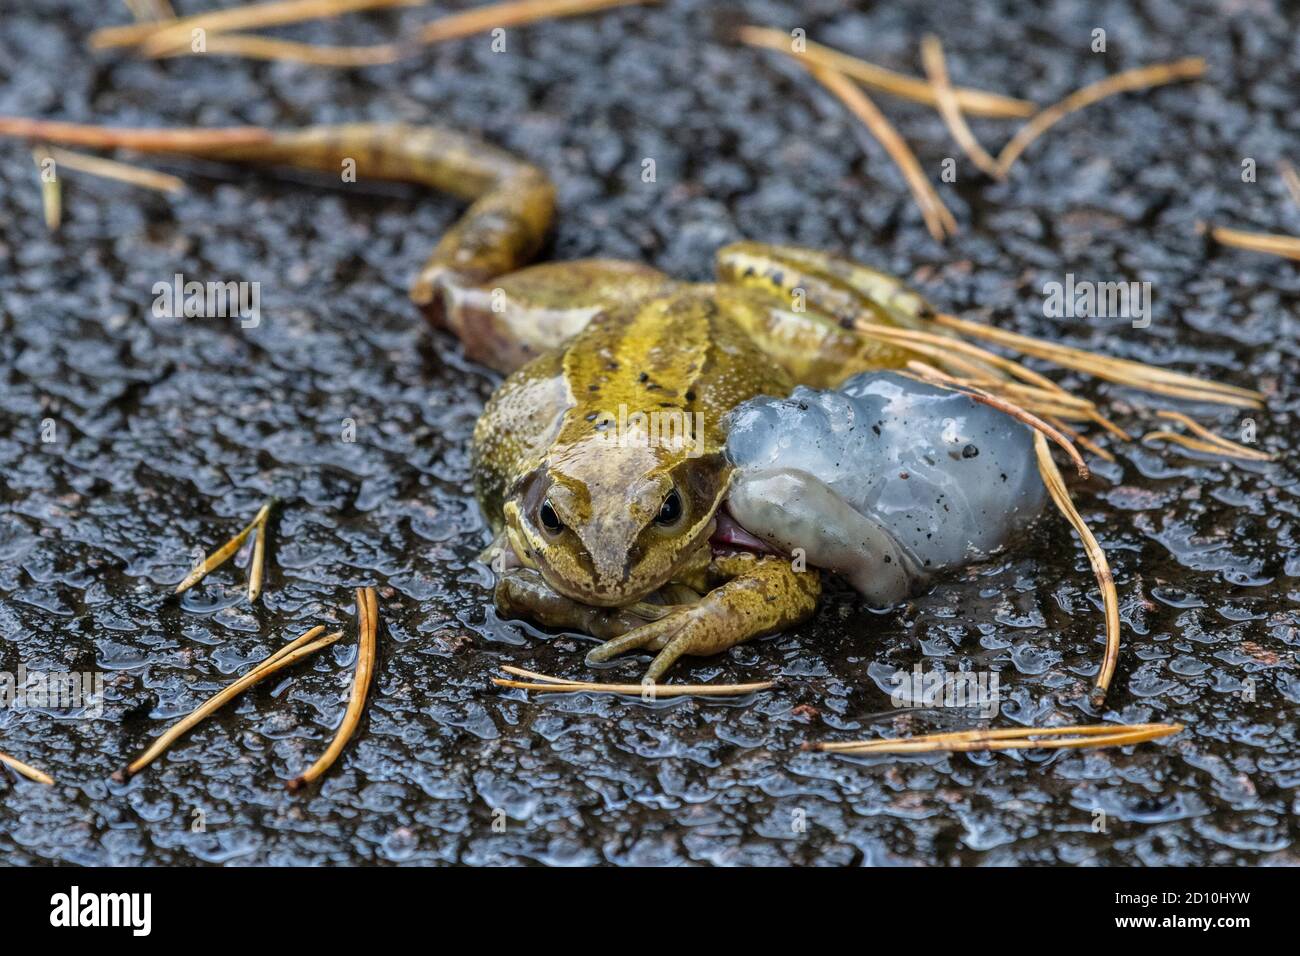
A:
{"points": [[762, 595], [523, 593]]}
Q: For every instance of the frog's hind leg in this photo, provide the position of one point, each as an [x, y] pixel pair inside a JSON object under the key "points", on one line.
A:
{"points": [[882, 308], [835, 285], [512, 202], [511, 320], [471, 283]]}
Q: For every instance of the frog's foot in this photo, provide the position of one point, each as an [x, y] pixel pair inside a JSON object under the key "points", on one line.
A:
{"points": [[761, 596]]}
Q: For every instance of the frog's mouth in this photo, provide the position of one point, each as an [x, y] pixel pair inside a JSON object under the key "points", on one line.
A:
{"points": [[729, 537]]}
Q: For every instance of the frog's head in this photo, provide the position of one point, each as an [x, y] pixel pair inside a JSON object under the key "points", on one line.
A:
{"points": [[607, 525]]}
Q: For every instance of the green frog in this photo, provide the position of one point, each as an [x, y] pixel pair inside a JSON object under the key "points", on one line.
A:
{"points": [[604, 522]]}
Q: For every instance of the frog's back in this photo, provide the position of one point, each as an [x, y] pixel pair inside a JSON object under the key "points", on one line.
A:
{"points": [[678, 351]]}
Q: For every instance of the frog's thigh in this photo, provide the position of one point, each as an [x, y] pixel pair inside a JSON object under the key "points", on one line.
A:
{"points": [[518, 316], [523, 593], [834, 284], [811, 345]]}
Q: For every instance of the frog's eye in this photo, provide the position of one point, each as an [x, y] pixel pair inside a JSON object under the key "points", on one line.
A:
{"points": [[550, 520], [670, 510]]}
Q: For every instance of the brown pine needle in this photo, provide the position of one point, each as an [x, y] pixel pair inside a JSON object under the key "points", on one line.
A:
{"points": [[1229, 446], [223, 553], [367, 629], [250, 17], [974, 102], [948, 344], [945, 97], [1096, 557], [1158, 74], [27, 770], [1267, 242], [113, 169], [51, 190], [1292, 180], [1205, 447], [520, 672], [544, 684], [257, 566], [1010, 738], [937, 217], [1082, 440], [1148, 378], [1040, 427], [306, 637], [286, 656], [454, 26], [252, 47], [144, 139]]}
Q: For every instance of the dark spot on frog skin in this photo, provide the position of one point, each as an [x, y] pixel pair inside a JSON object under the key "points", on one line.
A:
{"points": [[970, 451]]}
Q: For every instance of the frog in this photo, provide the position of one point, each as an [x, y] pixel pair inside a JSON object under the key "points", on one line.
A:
{"points": [[621, 533]]}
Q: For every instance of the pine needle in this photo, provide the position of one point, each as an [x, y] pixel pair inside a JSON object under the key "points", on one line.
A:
{"points": [[51, 190], [367, 629], [1229, 446], [1010, 738], [544, 684], [250, 17], [1204, 447], [938, 220], [290, 654], [1158, 74], [113, 169], [196, 139], [1096, 557], [454, 26], [936, 70], [1148, 378], [1270, 243], [225, 552], [27, 770], [1082, 440], [1292, 180], [257, 566], [973, 102]]}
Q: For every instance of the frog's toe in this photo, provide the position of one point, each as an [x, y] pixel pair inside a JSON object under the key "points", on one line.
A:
{"points": [[651, 637], [667, 657]]}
